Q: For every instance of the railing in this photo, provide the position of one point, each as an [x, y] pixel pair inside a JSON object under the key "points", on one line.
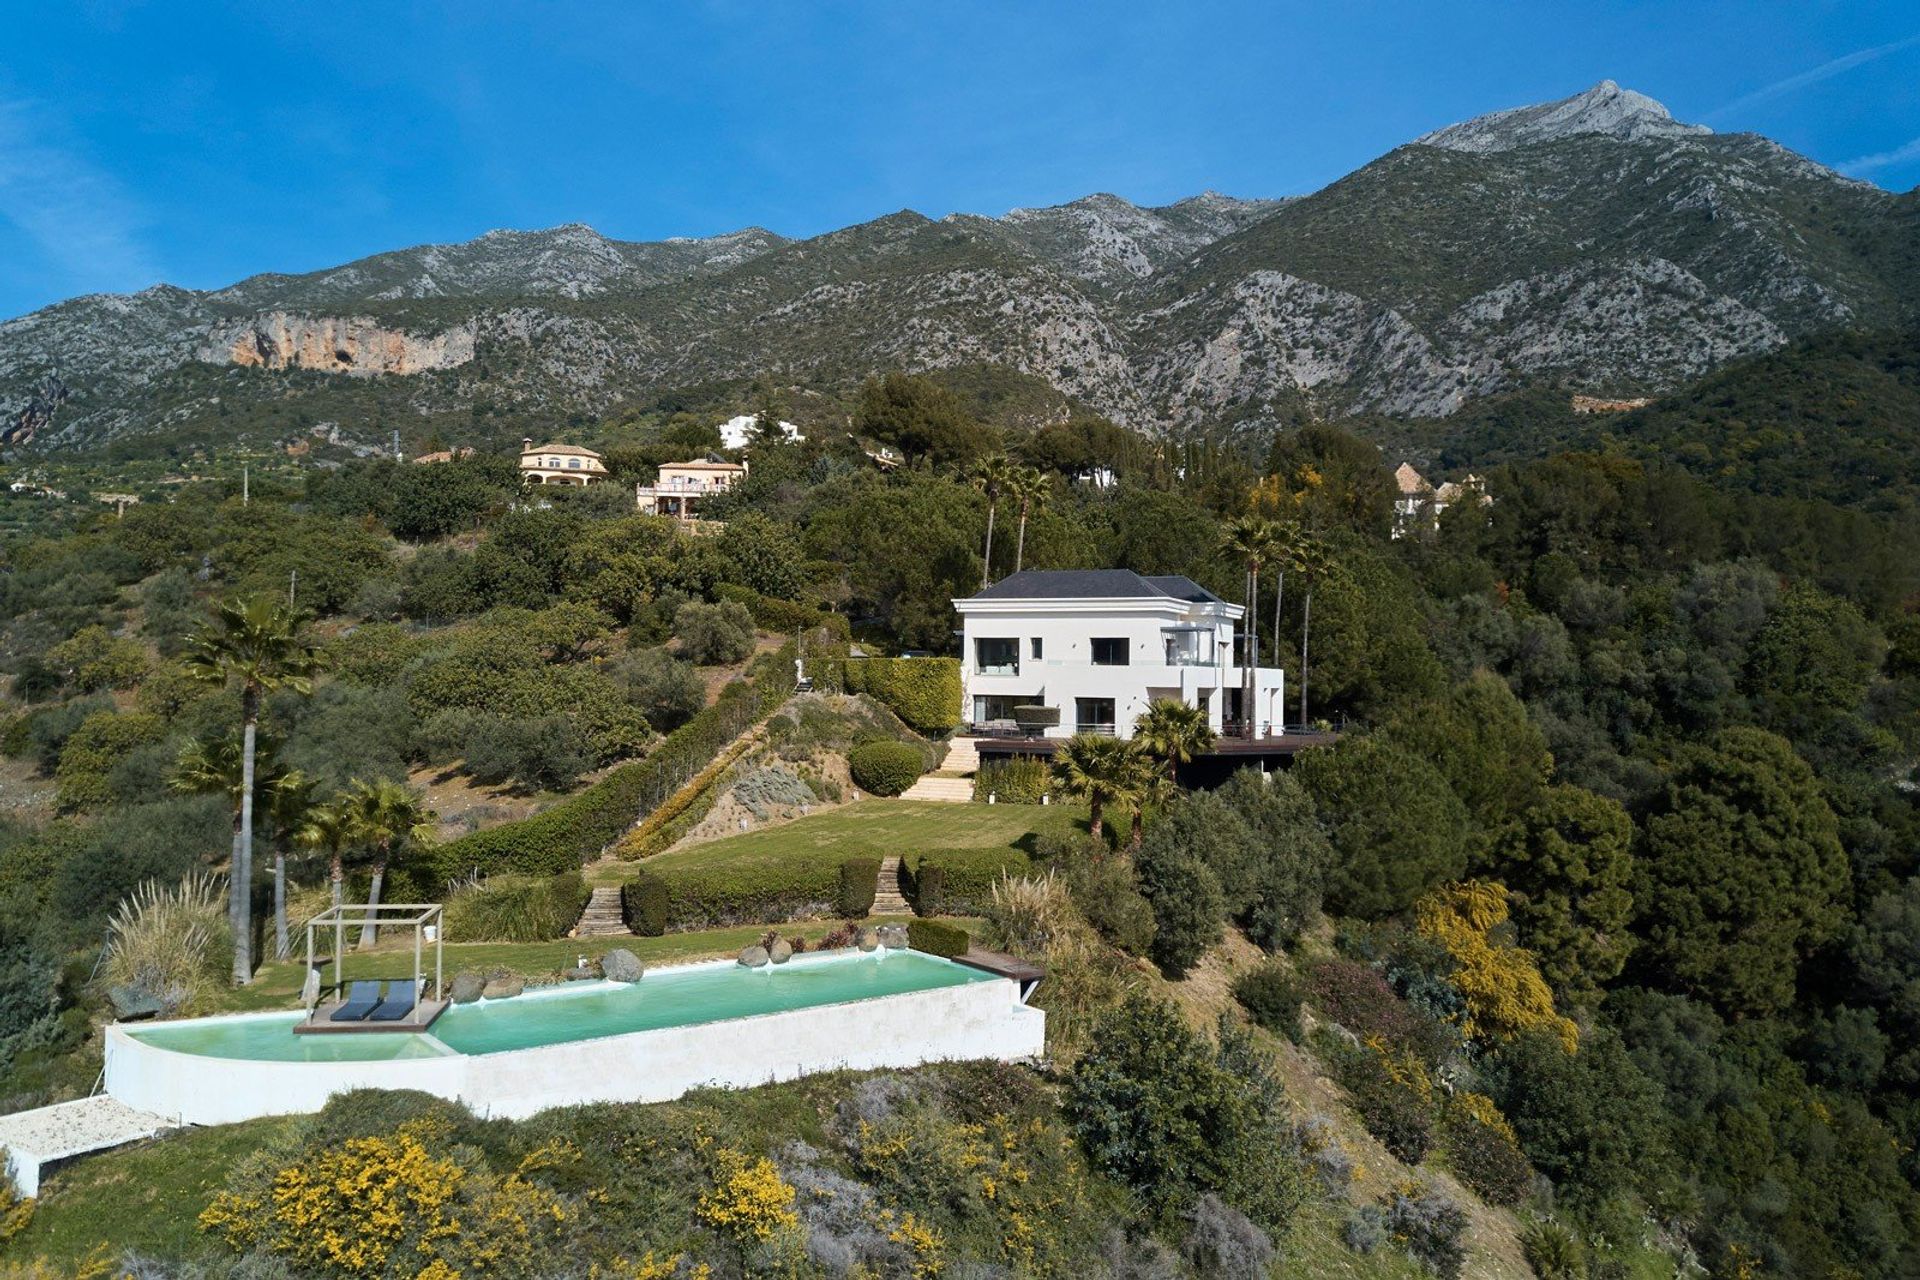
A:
{"points": [[997, 669], [1103, 730]]}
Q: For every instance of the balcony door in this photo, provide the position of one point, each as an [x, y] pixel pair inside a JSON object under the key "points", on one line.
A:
{"points": [[1093, 715]]}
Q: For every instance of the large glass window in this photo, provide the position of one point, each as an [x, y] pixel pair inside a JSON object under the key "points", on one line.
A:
{"points": [[1109, 652], [1093, 715], [993, 656]]}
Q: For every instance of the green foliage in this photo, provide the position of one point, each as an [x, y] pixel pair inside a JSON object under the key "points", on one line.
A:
{"points": [[1482, 1151], [539, 753], [1567, 861], [668, 691], [1188, 902], [937, 938], [859, 880], [1482, 742], [1106, 888], [965, 877], [95, 748], [516, 908], [1271, 996], [1396, 827], [1390, 1090], [647, 904], [92, 660], [885, 768], [1012, 781], [1743, 872], [924, 692], [713, 634], [1291, 855], [916, 415], [769, 890]]}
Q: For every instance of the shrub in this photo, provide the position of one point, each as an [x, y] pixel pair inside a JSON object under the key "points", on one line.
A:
{"points": [[1359, 999], [1391, 1092], [765, 892], [885, 768], [1223, 1244], [1505, 994], [517, 908], [1271, 997], [645, 902], [1107, 890], [1482, 1151], [924, 692], [1019, 781], [1429, 1226], [1554, 1252], [1028, 914], [92, 659], [937, 938], [1188, 906], [88, 758], [542, 752], [668, 691], [170, 944], [953, 882], [859, 881], [713, 634]]}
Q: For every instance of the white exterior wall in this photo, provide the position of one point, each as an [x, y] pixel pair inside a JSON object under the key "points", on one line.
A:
{"points": [[970, 1021], [1065, 671]]}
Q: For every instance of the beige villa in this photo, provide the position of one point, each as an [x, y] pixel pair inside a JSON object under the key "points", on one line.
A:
{"points": [[684, 486], [559, 464]]}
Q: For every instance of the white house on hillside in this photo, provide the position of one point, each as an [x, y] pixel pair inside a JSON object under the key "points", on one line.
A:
{"points": [[735, 433], [683, 487], [1098, 645]]}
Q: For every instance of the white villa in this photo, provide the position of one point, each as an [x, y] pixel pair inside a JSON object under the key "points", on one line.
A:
{"points": [[682, 486], [737, 433], [1098, 645], [559, 464]]}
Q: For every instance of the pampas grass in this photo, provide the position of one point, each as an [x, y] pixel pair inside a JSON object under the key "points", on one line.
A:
{"points": [[171, 942]]}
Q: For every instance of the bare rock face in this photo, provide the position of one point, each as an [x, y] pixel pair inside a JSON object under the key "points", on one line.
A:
{"points": [[334, 344]]}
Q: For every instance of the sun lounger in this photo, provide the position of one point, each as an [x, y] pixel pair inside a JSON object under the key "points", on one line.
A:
{"points": [[402, 997], [362, 999]]}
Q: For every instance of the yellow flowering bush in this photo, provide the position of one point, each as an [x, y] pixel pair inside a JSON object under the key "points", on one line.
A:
{"points": [[15, 1212], [1504, 992], [748, 1200], [647, 1268]]}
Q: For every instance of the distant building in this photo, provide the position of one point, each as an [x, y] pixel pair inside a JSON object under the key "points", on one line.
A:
{"points": [[446, 455], [683, 487], [1416, 499], [559, 464], [737, 433], [1594, 404]]}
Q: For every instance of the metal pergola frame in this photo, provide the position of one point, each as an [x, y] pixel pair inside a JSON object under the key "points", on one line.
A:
{"points": [[420, 915]]}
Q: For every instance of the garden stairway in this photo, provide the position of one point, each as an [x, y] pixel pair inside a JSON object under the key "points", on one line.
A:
{"points": [[952, 782], [603, 917], [888, 900]]}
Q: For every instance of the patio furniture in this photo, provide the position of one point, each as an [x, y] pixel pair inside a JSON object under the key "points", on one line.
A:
{"points": [[362, 999], [401, 1000]]}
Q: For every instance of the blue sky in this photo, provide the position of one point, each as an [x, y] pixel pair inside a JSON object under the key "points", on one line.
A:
{"points": [[200, 142]]}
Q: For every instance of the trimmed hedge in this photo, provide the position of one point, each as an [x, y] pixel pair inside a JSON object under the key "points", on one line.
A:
{"points": [[567, 835], [859, 883], [885, 768], [958, 882], [1011, 781], [937, 938], [645, 902], [517, 908], [680, 812], [924, 692]]}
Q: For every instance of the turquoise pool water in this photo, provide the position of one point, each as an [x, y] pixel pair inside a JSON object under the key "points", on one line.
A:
{"points": [[669, 998]]}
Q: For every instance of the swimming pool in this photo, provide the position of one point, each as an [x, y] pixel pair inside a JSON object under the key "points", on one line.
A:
{"points": [[704, 1024]]}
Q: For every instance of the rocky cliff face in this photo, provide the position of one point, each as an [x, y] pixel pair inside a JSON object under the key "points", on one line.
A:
{"points": [[1594, 242]]}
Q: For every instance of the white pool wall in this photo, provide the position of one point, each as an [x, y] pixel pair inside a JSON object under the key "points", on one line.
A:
{"points": [[968, 1021]]}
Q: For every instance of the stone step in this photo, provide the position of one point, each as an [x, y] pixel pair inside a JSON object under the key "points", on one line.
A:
{"points": [[604, 917], [888, 900], [944, 790]]}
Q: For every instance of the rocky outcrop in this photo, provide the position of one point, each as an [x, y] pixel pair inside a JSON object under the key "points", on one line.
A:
{"points": [[335, 344]]}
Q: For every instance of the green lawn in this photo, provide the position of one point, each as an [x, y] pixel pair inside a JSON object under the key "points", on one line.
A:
{"points": [[277, 986], [879, 827]]}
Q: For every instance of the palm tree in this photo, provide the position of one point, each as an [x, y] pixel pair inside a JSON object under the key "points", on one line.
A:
{"points": [[1173, 732], [990, 475], [289, 797], [1150, 787], [386, 815], [1283, 554], [256, 642], [1030, 486], [1098, 769], [1249, 539], [1312, 565], [328, 828]]}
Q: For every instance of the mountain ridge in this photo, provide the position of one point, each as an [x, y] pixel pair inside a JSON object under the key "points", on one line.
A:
{"points": [[1593, 241]]}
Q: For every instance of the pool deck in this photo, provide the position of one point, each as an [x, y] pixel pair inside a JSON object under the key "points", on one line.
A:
{"points": [[1002, 965], [318, 1023]]}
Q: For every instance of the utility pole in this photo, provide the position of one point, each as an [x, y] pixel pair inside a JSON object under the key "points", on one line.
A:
{"points": [[245, 491]]}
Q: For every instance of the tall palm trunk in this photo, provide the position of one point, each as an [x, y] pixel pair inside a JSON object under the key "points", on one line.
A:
{"points": [[1279, 597], [1139, 827], [279, 904], [337, 873], [1306, 628], [1250, 657], [986, 565], [1093, 814], [1020, 543], [368, 930], [241, 889]]}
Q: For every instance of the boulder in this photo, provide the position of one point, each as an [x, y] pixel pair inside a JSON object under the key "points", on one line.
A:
{"points": [[467, 986], [866, 939], [621, 965], [504, 988], [781, 951], [581, 973], [893, 937], [753, 957]]}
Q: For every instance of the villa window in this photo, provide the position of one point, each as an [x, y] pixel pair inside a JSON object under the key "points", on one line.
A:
{"points": [[574, 463], [1093, 715], [1109, 651], [996, 656], [1036, 648]]}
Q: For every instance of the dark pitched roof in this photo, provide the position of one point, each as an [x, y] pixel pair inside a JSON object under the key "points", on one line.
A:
{"points": [[1099, 584]]}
